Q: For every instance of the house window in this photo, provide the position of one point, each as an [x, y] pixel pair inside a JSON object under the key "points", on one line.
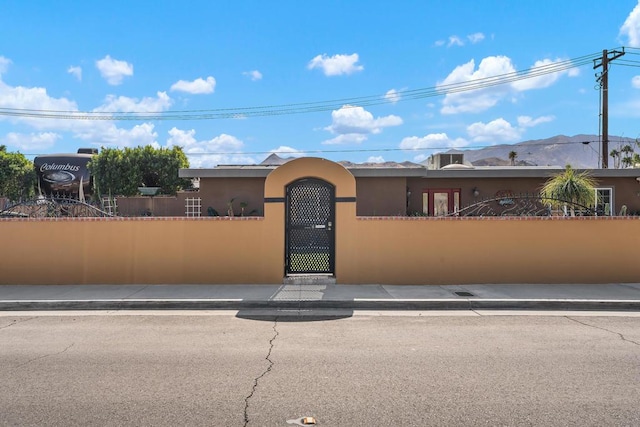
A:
{"points": [[604, 201], [440, 202]]}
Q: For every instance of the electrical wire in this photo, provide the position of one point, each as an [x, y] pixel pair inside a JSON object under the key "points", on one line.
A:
{"points": [[310, 107], [376, 150]]}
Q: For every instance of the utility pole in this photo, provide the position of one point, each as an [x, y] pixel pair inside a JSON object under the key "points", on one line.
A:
{"points": [[603, 78]]}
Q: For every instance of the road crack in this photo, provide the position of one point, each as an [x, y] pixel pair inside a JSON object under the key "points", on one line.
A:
{"points": [[622, 337], [258, 378], [16, 321], [43, 356]]}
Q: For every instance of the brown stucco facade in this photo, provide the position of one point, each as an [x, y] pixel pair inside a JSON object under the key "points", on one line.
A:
{"points": [[400, 191]]}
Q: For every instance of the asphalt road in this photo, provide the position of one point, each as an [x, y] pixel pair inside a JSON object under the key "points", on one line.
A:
{"points": [[222, 370]]}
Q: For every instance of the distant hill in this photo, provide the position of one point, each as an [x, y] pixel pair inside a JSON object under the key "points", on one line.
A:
{"points": [[495, 161], [580, 151]]}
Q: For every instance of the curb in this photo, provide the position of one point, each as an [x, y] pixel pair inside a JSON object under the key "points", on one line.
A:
{"points": [[354, 304]]}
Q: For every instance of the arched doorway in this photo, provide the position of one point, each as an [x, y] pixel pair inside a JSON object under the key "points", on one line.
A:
{"points": [[310, 227]]}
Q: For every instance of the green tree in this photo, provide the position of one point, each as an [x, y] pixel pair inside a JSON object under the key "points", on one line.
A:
{"points": [[570, 187], [122, 171], [627, 155], [615, 155], [512, 156], [159, 167], [114, 172], [17, 176]]}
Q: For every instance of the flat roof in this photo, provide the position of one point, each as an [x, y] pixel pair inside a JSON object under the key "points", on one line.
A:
{"points": [[367, 171]]}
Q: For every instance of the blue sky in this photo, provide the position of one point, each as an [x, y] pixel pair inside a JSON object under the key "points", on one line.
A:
{"points": [[345, 80]]}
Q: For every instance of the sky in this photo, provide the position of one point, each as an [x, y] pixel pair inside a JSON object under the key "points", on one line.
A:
{"points": [[363, 81]]}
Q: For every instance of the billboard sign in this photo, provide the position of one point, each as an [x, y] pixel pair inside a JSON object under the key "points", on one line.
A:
{"points": [[63, 174]]}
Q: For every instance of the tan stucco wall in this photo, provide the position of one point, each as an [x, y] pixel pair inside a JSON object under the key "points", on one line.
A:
{"points": [[378, 250], [368, 250], [310, 167], [492, 250], [138, 250]]}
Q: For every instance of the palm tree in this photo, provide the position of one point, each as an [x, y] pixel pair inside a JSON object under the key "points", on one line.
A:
{"points": [[627, 155], [615, 155], [570, 187], [512, 156]]}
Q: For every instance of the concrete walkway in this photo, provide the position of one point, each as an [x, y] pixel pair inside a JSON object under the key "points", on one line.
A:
{"points": [[319, 296]]}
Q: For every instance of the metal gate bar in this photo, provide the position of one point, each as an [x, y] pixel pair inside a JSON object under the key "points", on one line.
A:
{"points": [[309, 228]]}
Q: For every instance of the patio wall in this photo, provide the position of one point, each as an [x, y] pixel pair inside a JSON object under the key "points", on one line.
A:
{"points": [[389, 250], [375, 250]]}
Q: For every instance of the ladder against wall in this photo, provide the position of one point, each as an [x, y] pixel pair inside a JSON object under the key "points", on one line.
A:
{"points": [[110, 205], [193, 206]]}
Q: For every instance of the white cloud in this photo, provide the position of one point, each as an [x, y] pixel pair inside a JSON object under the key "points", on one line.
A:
{"points": [[498, 130], [113, 70], [474, 101], [35, 98], [635, 82], [375, 159], [459, 41], [32, 141], [631, 28], [544, 80], [76, 72], [475, 38], [351, 119], [97, 132], [432, 141], [347, 138], [197, 87], [493, 69], [114, 104], [94, 132], [287, 151], [223, 149], [253, 75], [107, 133], [455, 41], [336, 65], [528, 122], [392, 96], [573, 72], [4, 65], [187, 140]]}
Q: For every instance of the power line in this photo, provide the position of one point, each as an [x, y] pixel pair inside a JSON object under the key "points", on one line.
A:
{"points": [[308, 107], [376, 150]]}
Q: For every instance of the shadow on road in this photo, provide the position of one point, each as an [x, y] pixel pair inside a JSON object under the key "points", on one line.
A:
{"points": [[295, 315]]}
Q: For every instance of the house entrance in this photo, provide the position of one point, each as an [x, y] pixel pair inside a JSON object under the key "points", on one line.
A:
{"points": [[309, 227]]}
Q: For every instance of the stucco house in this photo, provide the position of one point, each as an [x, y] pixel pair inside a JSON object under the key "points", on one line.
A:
{"points": [[444, 186]]}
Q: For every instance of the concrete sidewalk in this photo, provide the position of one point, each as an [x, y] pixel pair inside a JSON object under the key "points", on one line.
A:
{"points": [[608, 297]]}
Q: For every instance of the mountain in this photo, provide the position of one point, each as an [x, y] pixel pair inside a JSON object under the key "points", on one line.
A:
{"points": [[580, 151], [275, 160]]}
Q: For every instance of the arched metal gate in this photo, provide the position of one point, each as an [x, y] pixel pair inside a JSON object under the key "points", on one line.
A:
{"points": [[310, 227]]}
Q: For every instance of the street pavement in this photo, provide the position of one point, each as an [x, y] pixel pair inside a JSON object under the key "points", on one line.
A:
{"points": [[204, 368], [593, 297]]}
